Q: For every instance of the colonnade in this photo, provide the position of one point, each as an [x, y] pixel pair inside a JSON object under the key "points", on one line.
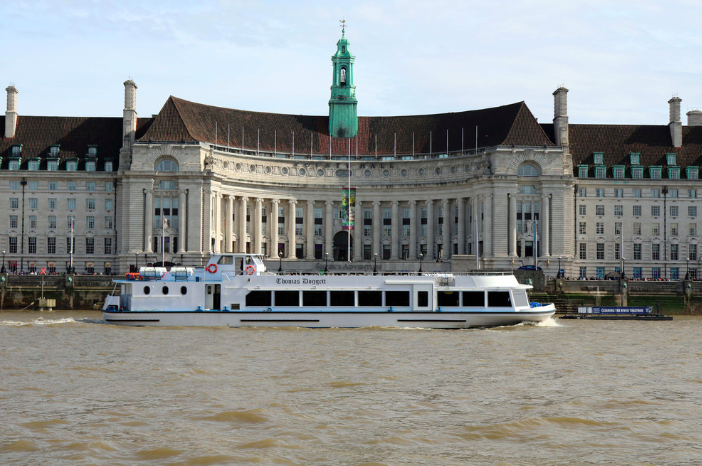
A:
{"points": [[474, 225]]}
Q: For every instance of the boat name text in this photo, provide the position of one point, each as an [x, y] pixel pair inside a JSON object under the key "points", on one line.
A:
{"points": [[303, 281]]}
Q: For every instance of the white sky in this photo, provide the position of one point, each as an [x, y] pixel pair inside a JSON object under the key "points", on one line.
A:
{"points": [[622, 61]]}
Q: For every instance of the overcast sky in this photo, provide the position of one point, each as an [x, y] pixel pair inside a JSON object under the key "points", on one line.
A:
{"points": [[622, 61]]}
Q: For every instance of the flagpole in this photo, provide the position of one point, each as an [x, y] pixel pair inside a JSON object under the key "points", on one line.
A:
{"points": [[163, 242], [72, 222]]}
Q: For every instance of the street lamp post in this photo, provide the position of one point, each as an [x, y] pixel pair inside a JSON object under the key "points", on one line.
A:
{"points": [[181, 259], [687, 274], [375, 263], [421, 258], [558, 275], [280, 263], [623, 275], [136, 262], [326, 262], [3, 263]]}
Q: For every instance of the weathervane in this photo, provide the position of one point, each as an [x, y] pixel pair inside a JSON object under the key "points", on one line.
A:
{"points": [[343, 25]]}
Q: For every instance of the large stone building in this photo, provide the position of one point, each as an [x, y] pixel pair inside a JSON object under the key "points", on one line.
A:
{"points": [[475, 189]]}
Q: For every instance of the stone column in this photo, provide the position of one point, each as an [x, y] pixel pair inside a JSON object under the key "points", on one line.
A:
{"points": [[430, 229], [546, 225], [229, 225], [218, 221], [207, 227], [148, 220], [461, 233], [310, 230], [487, 233], [377, 225], [446, 207], [328, 228], [395, 244], [242, 223], [512, 225], [475, 225], [258, 222], [274, 228], [292, 240], [181, 220], [358, 232], [413, 230]]}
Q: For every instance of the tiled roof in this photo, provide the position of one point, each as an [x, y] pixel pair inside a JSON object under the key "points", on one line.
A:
{"points": [[181, 120], [73, 134], [617, 141]]}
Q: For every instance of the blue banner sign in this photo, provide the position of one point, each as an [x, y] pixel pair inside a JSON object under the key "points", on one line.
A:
{"points": [[622, 310]]}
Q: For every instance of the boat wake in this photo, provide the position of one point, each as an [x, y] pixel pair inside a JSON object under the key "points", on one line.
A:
{"points": [[39, 321]]}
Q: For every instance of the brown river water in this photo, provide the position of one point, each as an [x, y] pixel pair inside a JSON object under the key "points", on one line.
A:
{"points": [[74, 391]]}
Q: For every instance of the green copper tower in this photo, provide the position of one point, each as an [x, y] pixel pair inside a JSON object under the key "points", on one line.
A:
{"points": [[343, 113]]}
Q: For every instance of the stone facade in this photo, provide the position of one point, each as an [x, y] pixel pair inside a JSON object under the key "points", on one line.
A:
{"points": [[195, 180]]}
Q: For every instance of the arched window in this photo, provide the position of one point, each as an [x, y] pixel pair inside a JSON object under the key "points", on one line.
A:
{"points": [[167, 166], [343, 76], [528, 170]]}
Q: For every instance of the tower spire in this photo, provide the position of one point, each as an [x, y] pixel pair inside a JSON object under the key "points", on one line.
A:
{"points": [[343, 115]]}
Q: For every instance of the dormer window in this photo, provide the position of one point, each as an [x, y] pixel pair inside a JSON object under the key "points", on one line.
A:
{"points": [[33, 164], [14, 164], [92, 151], [634, 158], [637, 173], [108, 166], [16, 150], [52, 165], [90, 166], [692, 173], [598, 156], [72, 165], [601, 172], [654, 173], [54, 151], [582, 171], [670, 159], [618, 171], [674, 173]]}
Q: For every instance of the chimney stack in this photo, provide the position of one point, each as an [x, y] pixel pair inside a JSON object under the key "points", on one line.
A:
{"points": [[11, 113], [675, 124], [560, 117], [129, 115], [694, 118]]}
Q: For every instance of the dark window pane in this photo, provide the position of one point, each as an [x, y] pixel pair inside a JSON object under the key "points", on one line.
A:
{"points": [[397, 298], [498, 299], [370, 298], [447, 298], [314, 298], [258, 298], [474, 298], [287, 298], [422, 298], [341, 298]]}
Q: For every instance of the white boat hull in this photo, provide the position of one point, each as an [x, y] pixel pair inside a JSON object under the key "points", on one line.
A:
{"points": [[328, 319]]}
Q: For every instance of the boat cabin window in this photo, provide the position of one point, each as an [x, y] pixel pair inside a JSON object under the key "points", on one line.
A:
{"points": [[287, 298], [370, 298], [164, 290], [447, 298], [422, 298], [341, 298], [397, 298], [520, 298], [314, 298], [258, 298], [183, 290], [147, 290], [474, 299], [226, 260], [499, 299]]}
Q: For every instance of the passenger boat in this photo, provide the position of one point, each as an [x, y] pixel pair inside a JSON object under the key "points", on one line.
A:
{"points": [[236, 290]]}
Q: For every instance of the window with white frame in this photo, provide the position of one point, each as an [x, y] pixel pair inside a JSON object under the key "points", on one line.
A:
{"points": [[599, 210], [692, 211], [71, 203], [14, 203], [598, 157], [636, 229], [670, 159], [582, 228], [655, 229], [673, 211], [655, 211], [619, 210], [637, 173], [636, 211]]}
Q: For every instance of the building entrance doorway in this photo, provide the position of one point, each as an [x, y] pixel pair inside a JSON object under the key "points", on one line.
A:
{"points": [[340, 249]]}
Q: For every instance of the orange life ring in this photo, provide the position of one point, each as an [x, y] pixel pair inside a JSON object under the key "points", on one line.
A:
{"points": [[212, 268], [250, 270]]}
